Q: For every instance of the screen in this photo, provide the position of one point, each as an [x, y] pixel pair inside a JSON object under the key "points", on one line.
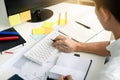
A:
{"points": [[36, 7]]}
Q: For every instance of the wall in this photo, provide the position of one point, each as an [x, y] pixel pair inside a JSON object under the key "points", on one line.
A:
{"points": [[72, 1], [85, 2]]}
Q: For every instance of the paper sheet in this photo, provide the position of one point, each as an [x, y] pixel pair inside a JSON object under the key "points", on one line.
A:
{"points": [[38, 37], [25, 68]]}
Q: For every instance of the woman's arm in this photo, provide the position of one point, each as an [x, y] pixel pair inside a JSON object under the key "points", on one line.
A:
{"points": [[66, 44], [98, 48]]}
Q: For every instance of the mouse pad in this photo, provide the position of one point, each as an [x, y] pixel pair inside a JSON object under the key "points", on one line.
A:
{"points": [[4, 45]]}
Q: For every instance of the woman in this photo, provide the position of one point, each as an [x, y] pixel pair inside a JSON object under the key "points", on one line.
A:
{"points": [[108, 13]]}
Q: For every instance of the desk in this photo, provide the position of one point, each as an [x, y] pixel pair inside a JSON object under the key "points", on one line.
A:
{"points": [[74, 12]]}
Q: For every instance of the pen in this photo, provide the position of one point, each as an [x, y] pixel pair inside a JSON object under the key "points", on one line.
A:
{"points": [[88, 69], [9, 38], [63, 45], [8, 33], [8, 52], [53, 40], [83, 25]]}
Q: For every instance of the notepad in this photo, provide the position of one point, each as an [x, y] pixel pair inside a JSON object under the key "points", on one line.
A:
{"points": [[14, 19], [48, 24], [46, 28], [4, 45], [36, 31], [91, 20], [25, 16], [68, 64], [77, 32]]}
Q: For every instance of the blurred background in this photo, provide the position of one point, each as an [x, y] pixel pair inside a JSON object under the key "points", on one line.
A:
{"points": [[83, 2]]}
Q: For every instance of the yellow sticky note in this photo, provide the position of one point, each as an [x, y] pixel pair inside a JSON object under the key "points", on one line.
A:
{"points": [[48, 24], [14, 19], [48, 30], [36, 31], [24, 16]]}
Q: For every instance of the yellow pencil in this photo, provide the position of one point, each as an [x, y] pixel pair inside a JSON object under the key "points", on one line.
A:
{"points": [[59, 18], [66, 17]]}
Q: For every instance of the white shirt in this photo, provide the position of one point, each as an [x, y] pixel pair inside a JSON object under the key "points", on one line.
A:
{"points": [[112, 68]]}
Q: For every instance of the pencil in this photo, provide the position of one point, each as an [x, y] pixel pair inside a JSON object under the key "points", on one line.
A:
{"points": [[53, 40], [59, 18], [66, 18], [83, 25]]}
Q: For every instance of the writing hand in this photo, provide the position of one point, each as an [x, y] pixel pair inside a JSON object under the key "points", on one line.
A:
{"points": [[65, 44], [68, 77]]}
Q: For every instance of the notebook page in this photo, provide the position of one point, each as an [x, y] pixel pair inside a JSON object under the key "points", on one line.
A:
{"points": [[68, 64], [77, 32], [92, 21], [73, 62], [57, 71]]}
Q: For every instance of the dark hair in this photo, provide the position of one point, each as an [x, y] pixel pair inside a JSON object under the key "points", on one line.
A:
{"points": [[112, 5]]}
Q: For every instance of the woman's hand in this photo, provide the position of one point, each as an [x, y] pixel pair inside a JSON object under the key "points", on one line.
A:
{"points": [[68, 77], [65, 44]]}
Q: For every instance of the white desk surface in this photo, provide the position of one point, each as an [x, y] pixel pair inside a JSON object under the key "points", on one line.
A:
{"points": [[74, 11]]}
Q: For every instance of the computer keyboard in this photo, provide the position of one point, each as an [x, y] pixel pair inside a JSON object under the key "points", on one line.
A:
{"points": [[43, 50]]}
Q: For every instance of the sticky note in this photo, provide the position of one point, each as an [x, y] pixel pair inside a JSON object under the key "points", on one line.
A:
{"points": [[14, 19], [48, 24], [48, 30], [38, 37], [36, 31], [24, 16], [48, 27]]}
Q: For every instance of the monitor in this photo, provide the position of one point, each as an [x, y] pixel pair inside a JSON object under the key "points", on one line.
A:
{"points": [[38, 13]]}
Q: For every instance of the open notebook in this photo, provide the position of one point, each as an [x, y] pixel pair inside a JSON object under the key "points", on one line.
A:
{"points": [[68, 64], [81, 33], [92, 21], [77, 32]]}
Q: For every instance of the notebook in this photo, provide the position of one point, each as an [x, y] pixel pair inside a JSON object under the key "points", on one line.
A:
{"points": [[77, 32], [92, 21], [4, 45], [80, 32], [68, 64]]}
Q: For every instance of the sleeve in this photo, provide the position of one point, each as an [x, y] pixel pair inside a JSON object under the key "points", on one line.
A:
{"points": [[108, 47], [111, 70], [105, 77]]}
